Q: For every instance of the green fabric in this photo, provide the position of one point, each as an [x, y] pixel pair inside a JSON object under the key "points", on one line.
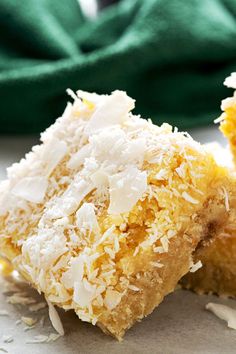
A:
{"points": [[170, 55]]}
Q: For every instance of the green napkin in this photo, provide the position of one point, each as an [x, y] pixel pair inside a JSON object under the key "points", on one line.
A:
{"points": [[170, 55]]}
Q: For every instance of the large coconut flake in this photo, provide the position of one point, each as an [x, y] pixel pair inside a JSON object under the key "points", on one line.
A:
{"points": [[32, 189], [126, 188]]}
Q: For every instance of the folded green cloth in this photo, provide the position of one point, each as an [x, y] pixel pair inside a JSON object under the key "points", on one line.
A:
{"points": [[170, 55]]}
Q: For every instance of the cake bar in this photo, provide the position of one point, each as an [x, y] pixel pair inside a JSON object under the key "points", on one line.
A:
{"points": [[104, 216]]}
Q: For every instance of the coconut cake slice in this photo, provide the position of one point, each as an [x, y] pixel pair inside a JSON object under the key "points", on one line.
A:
{"points": [[104, 216]]}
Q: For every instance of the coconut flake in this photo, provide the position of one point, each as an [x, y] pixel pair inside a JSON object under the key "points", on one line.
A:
{"points": [[84, 293], [161, 175], [37, 307], [53, 153], [77, 159], [72, 94], [92, 97], [7, 338], [20, 299], [133, 287], [227, 103], [29, 321], [55, 319], [226, 196], [100, 180], [113, 110], [53, 337], [230, 81], [164, 243], [134, 152], [189, 199], [220, 118], [225, 313], [38, 339], [156, 264], [112, 299], [27, 329], [126, 188], [86, 219], [70, 200], [32, 189], [159, 249], [75, 272], [195, 267]]}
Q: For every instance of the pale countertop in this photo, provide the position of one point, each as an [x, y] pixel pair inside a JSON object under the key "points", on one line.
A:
{"points": [[180, 325]]}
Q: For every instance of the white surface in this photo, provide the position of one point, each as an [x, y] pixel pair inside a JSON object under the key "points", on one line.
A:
{"points": [[180, 325]]}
